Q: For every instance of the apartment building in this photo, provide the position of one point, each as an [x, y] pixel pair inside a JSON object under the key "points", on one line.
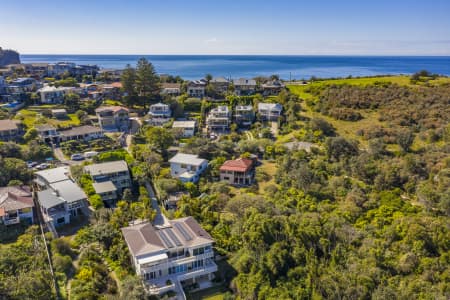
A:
{"points": [[218, 119]]}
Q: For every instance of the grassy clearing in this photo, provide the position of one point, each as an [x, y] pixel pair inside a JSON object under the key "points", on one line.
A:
{"points": [[30, 118], [213, 293], [270, 168]]}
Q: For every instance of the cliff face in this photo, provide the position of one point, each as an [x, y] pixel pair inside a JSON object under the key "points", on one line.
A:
{"points": [[8, 57]]}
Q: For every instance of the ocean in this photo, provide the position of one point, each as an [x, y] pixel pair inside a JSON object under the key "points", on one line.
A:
{"points": [[287, 67]]}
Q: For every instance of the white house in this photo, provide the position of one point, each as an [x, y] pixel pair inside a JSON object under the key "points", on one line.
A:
{"points": [[160, 113], [168, 257], [218, 119], [16, 205], [187, 127], [52, 95], [114, 171], [196, 88], [187, 167], [243, 86], [269, 111], [59, 197]]}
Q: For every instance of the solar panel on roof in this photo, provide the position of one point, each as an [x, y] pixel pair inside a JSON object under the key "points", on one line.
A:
{"points": [[183, 231], [174, 237], [166, 239]]}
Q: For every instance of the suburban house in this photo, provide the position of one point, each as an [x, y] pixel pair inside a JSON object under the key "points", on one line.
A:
{"points": [[244, 115], [240, 171], [218, 119], [269, 111], [113, 118], [59, 113], [16, 205], [187, 128], [84, 133], [60, 198], [196, 88], [220, 84], [22, 85], [187, 167], [53, 95], [160, 113], [244, 86], [166, 258], [112, 91], [114, 175], [107, 191], [273, 87], [47, 133], [172, 89], [10, 130]]}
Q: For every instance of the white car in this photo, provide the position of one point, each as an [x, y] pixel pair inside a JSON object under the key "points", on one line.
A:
{"points": [[77, 156], [42, 166], [90, 154]]}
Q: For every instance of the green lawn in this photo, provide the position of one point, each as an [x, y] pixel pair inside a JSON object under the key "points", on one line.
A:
{"points": [[31, 118], [213, 293]]}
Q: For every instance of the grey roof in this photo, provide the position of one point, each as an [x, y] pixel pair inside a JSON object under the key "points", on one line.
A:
{"points": [[270, 106], [54, 175], [145, 238], [219, 80], [9, 124], [81, 130], [59, 111], [106, 168], [244, 81], [104, 187], [183, 124], [69, 191], [188, 159], [44, 127], [48, 199]]}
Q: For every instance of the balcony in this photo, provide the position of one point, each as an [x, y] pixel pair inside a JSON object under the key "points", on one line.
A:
{"points": [[11, 221]]}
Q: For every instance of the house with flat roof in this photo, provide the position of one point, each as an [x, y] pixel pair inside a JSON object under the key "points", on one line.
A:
{"points": [[22, 85], [44, 178], [187, 167], [110, 178], [269, 111], [168, 257], [218, 119], [239, 171], [196, 88], [187, 128], [59, 113], [243, 86], [159, 113], [10, 130], [16, 205], [244, 115], [111, 118]]}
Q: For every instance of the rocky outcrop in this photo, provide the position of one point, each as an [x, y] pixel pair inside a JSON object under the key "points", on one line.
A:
{"points": [[8, 57]]}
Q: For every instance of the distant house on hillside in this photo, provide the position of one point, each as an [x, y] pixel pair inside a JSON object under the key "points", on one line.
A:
{"points": [[160, 113], [113, 118], [218, 119], [220, 84], [243, 86], [54, 95], [196, 88], [244, 115], [269, 111], [59, 113], [187, 127], [273, 87], [172, 89], [10, 130]]}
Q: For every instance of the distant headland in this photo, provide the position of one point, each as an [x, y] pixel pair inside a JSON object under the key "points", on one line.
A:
{"points": [[8, 57]]}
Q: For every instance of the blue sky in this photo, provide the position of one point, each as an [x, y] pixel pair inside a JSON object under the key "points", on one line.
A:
{"points": [[321, 27]]}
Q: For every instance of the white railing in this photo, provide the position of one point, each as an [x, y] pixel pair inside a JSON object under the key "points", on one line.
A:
{"points": [[12, 221]]}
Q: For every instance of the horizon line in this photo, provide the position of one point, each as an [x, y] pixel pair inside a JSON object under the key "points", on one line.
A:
{"points": [[234, 54]]}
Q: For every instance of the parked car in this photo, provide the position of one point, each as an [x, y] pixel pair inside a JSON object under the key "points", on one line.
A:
{"points": [[31, 164], [90, 154], [42, 166], [77, 156]]}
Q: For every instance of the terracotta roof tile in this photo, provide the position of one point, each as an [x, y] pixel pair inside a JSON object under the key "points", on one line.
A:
{"points": [[239, 165]]}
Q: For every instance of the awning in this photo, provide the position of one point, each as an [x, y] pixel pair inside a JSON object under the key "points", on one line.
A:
{"points": [[152, 258]]}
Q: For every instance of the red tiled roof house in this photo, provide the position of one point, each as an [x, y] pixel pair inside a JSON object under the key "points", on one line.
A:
{"points": [[240, 171]]}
